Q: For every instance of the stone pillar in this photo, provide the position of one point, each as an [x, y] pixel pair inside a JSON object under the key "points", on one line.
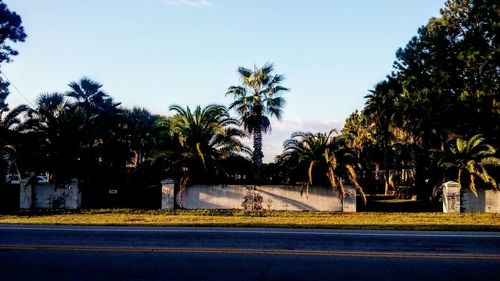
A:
{"points": [[167, 194], [74, 195], [451, 197], [349, 205]]}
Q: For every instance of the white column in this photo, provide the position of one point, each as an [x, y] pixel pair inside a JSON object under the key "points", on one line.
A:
{"points": [[167, 194], [74, 195], [451, 197], [349, 205]]}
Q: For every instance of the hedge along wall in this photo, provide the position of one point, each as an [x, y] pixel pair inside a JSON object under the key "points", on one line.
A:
{"points": [[267, 197]]}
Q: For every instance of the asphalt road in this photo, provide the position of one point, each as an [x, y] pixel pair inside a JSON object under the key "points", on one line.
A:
{"points": [[140, 253]]}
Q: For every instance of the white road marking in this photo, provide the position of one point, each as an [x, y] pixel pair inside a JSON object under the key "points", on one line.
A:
{"points": [[254, 231]]}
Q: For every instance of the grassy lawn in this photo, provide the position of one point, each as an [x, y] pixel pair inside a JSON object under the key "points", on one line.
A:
{"points": [[384, 203], [361, 220]]}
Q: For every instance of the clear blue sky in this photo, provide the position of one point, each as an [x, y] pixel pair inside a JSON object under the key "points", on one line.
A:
{"points": [[154, 53]]}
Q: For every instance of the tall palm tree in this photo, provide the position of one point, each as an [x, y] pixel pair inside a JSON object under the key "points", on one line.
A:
{"points": [[358, 132], [99, 109], [423, 115], [104, 143], [205, 136], [379, 108], [88, 94], [359, 135], [256, 100], [470, 158], [322, 152], [139, 129]]}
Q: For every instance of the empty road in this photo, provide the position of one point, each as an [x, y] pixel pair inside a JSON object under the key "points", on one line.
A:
{"points": [[142, 253]]}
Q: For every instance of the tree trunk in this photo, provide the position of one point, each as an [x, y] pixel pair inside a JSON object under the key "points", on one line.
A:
{"points": [[386, 175], [257, 151], [420, 183], [375, 178], [386, 166]]}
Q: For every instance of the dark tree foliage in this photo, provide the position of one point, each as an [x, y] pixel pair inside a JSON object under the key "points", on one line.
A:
{"points": [[11, 30], [445, 85]]}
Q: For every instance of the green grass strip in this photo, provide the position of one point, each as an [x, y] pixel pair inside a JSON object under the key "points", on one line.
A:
{"points": [[237, 218]]}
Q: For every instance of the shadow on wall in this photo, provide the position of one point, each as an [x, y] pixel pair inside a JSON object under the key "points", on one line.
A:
{"points": [[288, 203]]}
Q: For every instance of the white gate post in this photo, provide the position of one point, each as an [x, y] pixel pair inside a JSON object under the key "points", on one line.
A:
{"points": [[451, 197], [167, 194], [349, 205]]}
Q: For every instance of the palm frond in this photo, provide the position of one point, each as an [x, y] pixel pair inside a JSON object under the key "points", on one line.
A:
{"points": [[485, 150], [472, 184], [244, 72], [475, 141], [461, 145], [490, 161], [178, 109], [265, 124], [354, 181]]}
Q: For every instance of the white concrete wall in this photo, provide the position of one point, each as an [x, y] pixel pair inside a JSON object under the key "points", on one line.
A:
{"points": [[487, 201], [273, 198], [25, 196], [457, 199], [47, 196], [470, 203], [492, 201]]}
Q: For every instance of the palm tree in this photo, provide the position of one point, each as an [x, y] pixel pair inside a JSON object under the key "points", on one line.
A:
{"points": [[10, 119], [358, 133], [379, 108], [204, 136], [104, 146], [255, 101], [56, 127], [470, 158], [139, 129], [424, 116], [99, 109], [88, 95], [321, 152], [9, 123]]}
